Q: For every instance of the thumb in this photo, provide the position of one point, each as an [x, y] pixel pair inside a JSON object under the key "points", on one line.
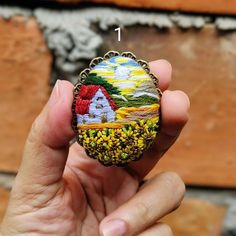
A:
{"points": [[47, 145]]}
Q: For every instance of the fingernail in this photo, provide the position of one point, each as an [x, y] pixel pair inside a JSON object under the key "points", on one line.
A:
{"points": [[114, 228], [55, 93]]}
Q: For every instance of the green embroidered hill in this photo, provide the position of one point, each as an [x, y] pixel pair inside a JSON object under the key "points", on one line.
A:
{"points": [[94, 79], [135, 102]]}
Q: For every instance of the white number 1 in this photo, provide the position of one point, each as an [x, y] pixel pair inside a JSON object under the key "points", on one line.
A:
{"points": [[119, 33]]}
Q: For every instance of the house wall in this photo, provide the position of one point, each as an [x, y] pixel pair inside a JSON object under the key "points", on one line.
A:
{"points": [[97, 113], [106, 108], [38, 45]]}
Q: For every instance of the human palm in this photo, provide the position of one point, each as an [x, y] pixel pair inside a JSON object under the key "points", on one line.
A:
{"points": [[95, 191], [60, 191]]}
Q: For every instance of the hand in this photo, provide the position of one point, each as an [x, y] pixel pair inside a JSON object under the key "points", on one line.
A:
{"points": [[60, 191]]}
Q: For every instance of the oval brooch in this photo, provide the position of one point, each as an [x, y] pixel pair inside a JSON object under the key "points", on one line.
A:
{"points": [[116, 108]]}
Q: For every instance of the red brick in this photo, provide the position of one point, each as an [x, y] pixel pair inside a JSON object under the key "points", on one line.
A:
{"points": [[205, 6], [195, 218], [4, 196], [25, 65], [204, 67]]}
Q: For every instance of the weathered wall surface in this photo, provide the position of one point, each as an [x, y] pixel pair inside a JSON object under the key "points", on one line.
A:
{"points": [[25, 67], [40, 45], [4, 196], [203, 62], [205, 216], [205, 6], [205, 68]]}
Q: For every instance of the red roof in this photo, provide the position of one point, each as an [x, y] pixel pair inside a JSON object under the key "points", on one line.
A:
{"points": [[85, 96]]}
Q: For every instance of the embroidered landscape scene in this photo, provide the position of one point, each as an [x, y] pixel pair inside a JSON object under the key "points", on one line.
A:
{"points": [[117, 104]]}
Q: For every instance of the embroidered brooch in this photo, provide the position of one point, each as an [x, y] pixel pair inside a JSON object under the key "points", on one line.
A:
{"points": [[116, 108]]}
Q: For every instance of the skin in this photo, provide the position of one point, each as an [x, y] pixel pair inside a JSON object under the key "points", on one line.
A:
{"points": [[60, 191]]}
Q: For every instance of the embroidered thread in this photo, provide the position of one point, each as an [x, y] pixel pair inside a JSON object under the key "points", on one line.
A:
{"points": [[117, 110], [94, 105]]}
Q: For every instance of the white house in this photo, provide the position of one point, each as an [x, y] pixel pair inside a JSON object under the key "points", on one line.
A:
{"points": [[94, 105]]}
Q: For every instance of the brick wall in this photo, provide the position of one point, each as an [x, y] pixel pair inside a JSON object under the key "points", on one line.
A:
{"points": [[205, 6], [37, 47], [25, 68]]}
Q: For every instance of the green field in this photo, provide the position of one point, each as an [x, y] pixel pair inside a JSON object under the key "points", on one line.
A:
{"points": [[135, 102]]}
